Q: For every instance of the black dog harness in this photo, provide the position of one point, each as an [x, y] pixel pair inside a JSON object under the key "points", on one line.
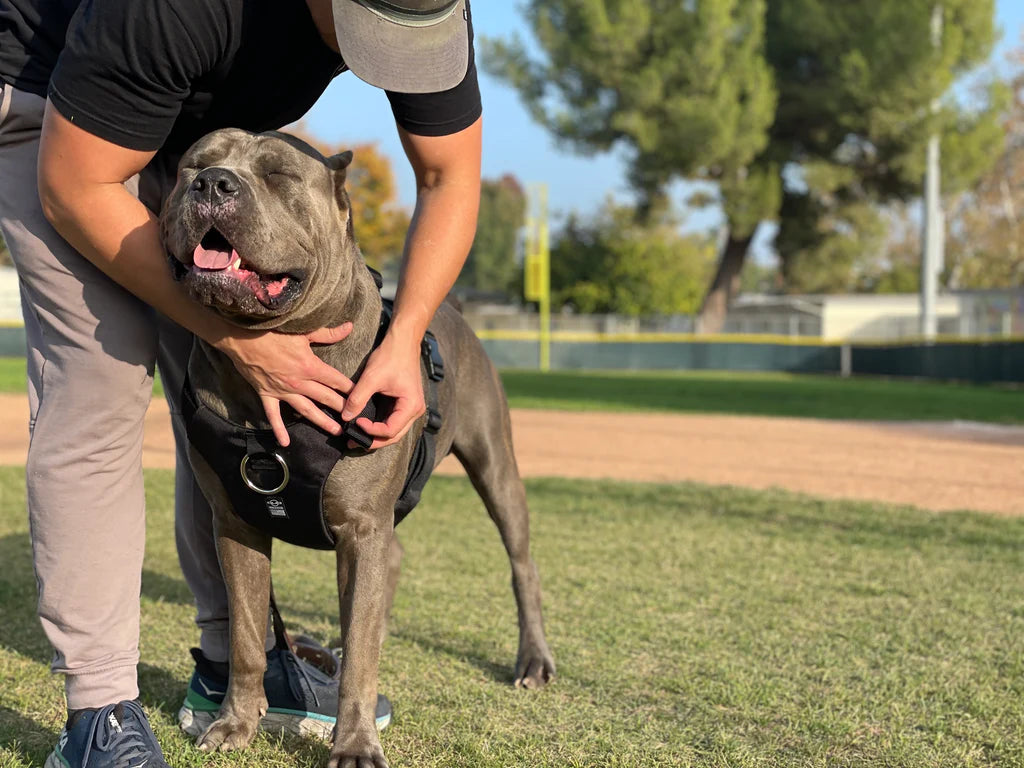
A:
{"points": [[279, 490]]}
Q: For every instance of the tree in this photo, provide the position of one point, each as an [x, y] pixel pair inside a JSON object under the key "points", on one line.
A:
{"points": [[684, 86], [759, 278], [857, 83], [985, 239], [5, 255], [613, 263], [984, 226], [380, 225], [491, 265], [818, 108]]}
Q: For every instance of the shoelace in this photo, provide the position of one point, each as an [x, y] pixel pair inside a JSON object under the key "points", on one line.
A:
{"points": [[297, 663], [130, 741]]}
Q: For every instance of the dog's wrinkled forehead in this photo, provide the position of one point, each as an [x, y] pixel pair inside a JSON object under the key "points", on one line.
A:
{"points": [[238, 148]]}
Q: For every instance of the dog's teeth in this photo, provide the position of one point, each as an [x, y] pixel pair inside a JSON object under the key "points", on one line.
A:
{"points": [[237, 263]]}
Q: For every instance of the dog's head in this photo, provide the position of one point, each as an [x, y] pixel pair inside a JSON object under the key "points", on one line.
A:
{"points": [[258, 228]]}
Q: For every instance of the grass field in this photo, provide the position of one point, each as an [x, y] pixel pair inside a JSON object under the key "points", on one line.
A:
{"points": [[762, 394], [692, 626]]}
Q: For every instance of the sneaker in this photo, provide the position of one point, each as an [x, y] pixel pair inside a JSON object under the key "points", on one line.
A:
{"points": [[116, 736], [300, 698]]}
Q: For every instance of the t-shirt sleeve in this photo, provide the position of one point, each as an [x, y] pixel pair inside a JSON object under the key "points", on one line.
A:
{"points": [[442, 113], [128, 65]]}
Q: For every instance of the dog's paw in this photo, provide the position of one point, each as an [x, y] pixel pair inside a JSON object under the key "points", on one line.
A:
{"points": [[535, 667], [358, 749], [227, 733]]}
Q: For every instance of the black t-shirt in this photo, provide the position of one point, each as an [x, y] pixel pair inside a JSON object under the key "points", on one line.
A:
{"points": [[151, 74]]}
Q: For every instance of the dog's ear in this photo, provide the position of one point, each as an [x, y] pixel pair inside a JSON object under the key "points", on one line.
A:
{"points": [[339, 170], [339, 163]]}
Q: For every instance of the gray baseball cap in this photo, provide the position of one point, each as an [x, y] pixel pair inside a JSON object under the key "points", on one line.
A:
{"points": [[409, 46]]}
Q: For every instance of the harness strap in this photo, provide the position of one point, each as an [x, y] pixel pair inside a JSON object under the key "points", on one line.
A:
{"points": [[432, 361]]}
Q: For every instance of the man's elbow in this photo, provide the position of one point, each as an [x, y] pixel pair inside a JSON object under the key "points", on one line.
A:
{"points": [[56, 197], [52, 199]]}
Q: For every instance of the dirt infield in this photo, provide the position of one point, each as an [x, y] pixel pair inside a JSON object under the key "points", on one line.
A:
{"points": [[933, 466]]}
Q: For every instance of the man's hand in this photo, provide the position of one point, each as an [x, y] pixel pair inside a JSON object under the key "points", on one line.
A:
{"points": [[393, 369], [447, 172], [282, 368]]}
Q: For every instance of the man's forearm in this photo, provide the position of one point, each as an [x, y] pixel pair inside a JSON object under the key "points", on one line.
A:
{"points": [[440, 237], [118, 234]]}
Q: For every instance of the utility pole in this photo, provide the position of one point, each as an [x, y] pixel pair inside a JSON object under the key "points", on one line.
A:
{"points": [[934, 256]]}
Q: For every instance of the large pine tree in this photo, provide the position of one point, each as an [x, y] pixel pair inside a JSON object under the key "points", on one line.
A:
{"points": [[802, 111]]}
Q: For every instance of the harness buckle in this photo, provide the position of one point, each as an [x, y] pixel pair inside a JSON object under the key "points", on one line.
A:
{"points": [[357, 435], [434, 422], [432, 357]]}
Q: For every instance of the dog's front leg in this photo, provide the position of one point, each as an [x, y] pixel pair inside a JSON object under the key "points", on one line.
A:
{"points": [[362, 582], [244, 555]]}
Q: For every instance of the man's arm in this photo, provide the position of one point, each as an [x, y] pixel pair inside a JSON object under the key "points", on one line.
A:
{"points": [[81, 188], [447, 172]]}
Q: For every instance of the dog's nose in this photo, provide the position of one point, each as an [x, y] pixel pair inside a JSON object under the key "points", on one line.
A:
{"points": [[216, 185]]}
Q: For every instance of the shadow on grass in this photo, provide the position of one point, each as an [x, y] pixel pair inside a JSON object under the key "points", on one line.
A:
{"points": [[24, 737], [499, 673], [786, 513]]}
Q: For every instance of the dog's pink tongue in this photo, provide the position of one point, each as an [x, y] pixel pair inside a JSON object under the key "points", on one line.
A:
{"points": [[212, 258]]}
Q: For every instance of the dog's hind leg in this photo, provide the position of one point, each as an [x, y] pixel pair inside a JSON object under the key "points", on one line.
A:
{"points": [[485, 450]]}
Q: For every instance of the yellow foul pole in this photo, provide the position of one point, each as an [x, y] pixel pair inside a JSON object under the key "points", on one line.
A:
{"points": [[538, 266]]}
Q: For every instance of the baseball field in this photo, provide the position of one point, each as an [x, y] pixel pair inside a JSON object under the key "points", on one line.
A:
{"points": [[737, 571]]}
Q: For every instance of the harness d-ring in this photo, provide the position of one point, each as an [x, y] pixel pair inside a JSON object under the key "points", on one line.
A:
{"points": [[253, 487]]}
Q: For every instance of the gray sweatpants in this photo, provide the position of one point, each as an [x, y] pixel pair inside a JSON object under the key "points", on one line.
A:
{"points": [[91, 352]]}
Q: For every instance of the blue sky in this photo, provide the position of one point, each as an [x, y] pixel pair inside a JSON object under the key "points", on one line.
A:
{"points": [[353, 112]]}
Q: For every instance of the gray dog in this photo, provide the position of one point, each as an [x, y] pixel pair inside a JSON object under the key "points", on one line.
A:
{"points": [[259, 229]]}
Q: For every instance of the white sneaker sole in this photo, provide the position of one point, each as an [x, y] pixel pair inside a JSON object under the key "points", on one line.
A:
{"points": [[195, 724]]}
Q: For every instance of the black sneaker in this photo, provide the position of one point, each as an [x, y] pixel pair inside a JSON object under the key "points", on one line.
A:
{"points": [[116, 736], [300, 698]]}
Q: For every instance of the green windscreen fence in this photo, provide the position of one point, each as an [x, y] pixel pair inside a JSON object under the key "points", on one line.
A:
{"points": [[978, 361], [674, 355], [12, 341]]}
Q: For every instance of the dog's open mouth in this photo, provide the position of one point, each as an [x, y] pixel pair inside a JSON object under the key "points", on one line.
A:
{"points": [[215, 256]]}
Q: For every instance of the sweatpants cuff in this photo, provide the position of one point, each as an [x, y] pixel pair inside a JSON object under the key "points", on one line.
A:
{"points": [[216, 645], [90, 690]]}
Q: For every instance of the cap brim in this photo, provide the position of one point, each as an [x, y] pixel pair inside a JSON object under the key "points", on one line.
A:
{"points": [[400, 58]]}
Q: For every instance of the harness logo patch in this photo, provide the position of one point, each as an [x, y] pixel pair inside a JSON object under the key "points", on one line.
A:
{"points": [[276, 507]]}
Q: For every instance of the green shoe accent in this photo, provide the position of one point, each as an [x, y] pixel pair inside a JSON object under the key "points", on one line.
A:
{"points": [[200, 703]]}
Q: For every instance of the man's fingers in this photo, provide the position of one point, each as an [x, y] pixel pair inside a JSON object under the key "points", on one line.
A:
{"points": [[331, 377], [323, 395], [359, 395], [391, 431], [272, 407], [330, 335], [374, 428], [397, 424], [307, 409]]}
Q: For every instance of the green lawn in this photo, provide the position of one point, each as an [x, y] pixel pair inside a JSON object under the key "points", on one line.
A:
{"points": [[691, 625], [12, 374], [766, 394]]}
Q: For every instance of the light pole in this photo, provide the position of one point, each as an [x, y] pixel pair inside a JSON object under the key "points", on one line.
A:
{"points": [[933, 258]]}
